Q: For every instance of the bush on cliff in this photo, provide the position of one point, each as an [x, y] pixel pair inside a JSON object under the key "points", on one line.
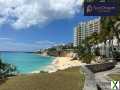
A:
{"points": [[6, 70]]}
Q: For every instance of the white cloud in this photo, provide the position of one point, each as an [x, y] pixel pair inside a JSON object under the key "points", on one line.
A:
{"points": [[26, 13], [8, 39], [46, 42]]}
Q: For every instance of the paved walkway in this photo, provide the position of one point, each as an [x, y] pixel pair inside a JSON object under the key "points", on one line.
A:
{"points": [[103, 80]]}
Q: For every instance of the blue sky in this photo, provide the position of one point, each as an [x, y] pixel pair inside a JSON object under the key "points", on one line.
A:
{"points": [[32, 29]]}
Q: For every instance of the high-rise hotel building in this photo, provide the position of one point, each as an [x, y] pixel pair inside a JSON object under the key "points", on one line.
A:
{"points": [[85, 29]]}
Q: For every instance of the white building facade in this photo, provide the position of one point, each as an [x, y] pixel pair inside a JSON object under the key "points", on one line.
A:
{"points": [[85, 29]]}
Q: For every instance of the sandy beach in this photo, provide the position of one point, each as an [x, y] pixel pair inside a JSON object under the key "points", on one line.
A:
{"points": [[61, 63]]}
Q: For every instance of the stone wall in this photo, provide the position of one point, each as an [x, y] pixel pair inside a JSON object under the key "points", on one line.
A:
{"points": [[90, 83], [89, 70], [101, 67]]}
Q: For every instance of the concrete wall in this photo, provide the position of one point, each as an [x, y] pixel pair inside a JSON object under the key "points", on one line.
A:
{"points": [[90, 83], [101, 67], [89, 70]]}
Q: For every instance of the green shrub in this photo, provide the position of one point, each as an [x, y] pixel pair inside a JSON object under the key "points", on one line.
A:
{"points": [[6, 69]]}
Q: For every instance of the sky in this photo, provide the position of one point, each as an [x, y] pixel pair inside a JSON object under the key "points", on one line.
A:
{"points": [[29, 25]]}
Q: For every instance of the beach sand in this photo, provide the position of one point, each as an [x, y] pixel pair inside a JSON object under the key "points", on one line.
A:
{"points": [[62, 63]]}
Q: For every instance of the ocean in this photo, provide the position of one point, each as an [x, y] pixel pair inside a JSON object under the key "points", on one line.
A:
{"points": [[26, 62]]}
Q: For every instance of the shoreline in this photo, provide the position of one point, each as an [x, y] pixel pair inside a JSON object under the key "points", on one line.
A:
{"points": [[60, 63]]}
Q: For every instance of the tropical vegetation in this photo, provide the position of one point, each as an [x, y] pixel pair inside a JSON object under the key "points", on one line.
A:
{"points": [[6, 70], [110, 27]]}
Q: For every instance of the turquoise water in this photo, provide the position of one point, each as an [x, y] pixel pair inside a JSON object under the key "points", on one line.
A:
{"points": [[26, 62]]}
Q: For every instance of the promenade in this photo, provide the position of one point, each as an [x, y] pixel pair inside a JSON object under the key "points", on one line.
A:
{"points": [[103, 80]]}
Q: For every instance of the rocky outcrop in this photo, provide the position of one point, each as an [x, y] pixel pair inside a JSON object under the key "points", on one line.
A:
{"points": [[60, 53]]}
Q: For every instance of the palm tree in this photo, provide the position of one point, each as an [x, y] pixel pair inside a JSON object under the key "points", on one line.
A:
{"points": [[84, 49], [107, 25], [84, 53], [108, 30]]}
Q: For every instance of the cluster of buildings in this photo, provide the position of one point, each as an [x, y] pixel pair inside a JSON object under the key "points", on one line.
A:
{"points": [[85, 29]]}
